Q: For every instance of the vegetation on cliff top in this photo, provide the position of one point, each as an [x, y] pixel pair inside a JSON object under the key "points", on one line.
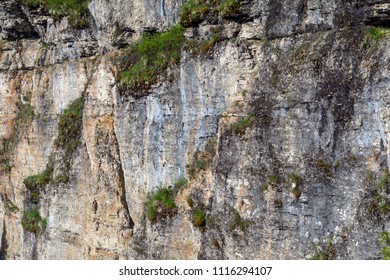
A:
{"points": [[144, 61], [75, 10], [196, 11]]}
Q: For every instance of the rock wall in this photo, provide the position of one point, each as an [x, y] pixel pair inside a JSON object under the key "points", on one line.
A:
{"points": [[281, 130]]}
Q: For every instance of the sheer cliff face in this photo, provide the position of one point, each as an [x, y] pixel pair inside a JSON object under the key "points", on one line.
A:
{"points": [[281, 129]]}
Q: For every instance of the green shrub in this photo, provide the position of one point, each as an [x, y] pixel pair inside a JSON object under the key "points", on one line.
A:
{"points": [[40, 180], [181, 183], [243, 123], [25, 114], [143, 62], [160, 204], [190, 202], [198, 217], [70, 124], [297, 192], [75, 10], [381, 193], [384, 241], [196, 11], [325, 251], [33, 222], [238, 221]]}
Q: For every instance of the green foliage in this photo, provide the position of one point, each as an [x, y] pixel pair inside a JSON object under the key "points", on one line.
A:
{"points": [[324, 167], [202, 159], [373, 36], [25, 114], [75, 10], [33, 222], [271, 180], [40, 180], [11, 206], [325, 251], [238, 221], [297, 180], [70, 124], [198, 217], [143, 62], [243, 123], [384, 241], [381, 193], [190, 202], [297, 192], [181, 183], [160, 204], [196, 11]]}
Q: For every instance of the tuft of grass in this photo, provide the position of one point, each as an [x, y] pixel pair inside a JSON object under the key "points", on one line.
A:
{"points": [[25, 114], [70, 124], [180, 183], [198, 217], [384, 241], [196, 11], [160, 204], [239, 222], [143, 62], [243, 123], [296, 180], [373, 36], [75, 10], [190, 202], [202, 159], [325, 251], [33, 222], [40, 180], [381, 194]]}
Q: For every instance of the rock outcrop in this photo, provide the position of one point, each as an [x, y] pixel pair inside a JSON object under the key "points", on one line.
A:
{"points": [[274, 134]]}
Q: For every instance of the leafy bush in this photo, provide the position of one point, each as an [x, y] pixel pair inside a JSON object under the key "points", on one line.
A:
{"points": [[325, 251], [33, 222], [76, 10], [144, 61], [160, 204]]}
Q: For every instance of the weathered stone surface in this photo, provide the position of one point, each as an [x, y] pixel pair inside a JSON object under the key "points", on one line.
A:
{"points": [[291, 87]]}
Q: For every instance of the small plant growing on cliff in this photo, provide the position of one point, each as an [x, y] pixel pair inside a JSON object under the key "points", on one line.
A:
{"points": [[40, 180], [25, 114], [198, 217], [75, 10], [296, 180], [202, 159], [70, 124], [196, 11], [238, 221], [143, 62], [33, 222], [373, 37], [324, 251], [384, 241], [243, 123], [160, 204]]}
